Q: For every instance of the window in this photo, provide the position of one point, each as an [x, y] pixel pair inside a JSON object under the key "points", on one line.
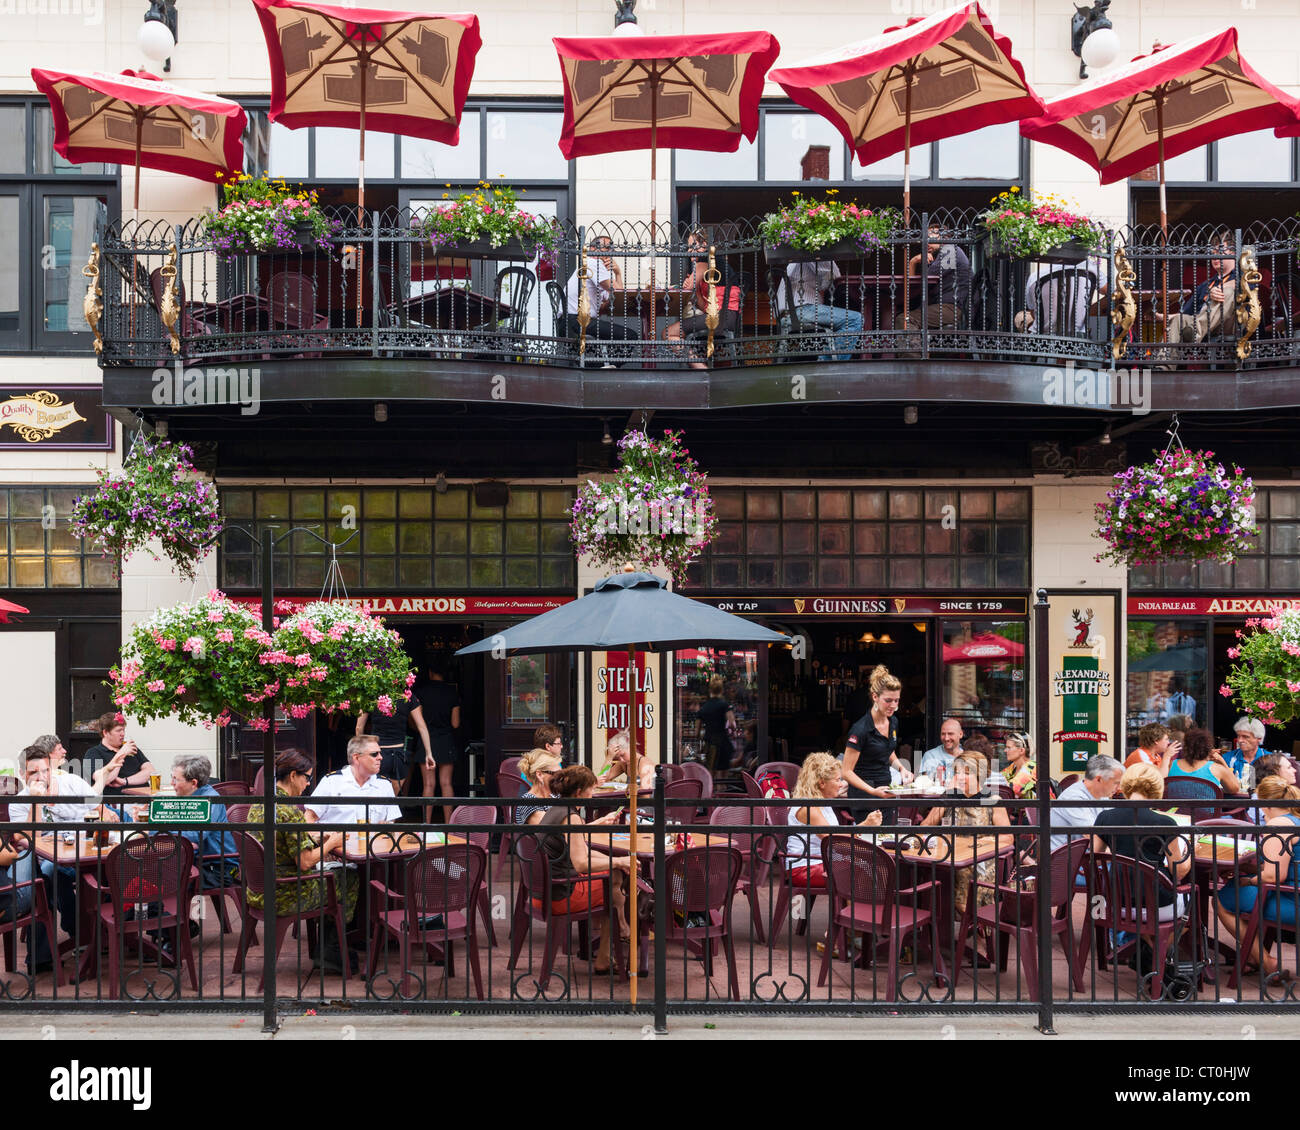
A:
{"points": [[866, 538], [50, 214], [404, 538], [39, 550]]}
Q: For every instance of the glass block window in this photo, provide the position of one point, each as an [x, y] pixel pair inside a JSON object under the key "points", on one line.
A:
{"points": [[1271, 564], [866, 537], [393, 539], [39, 551]]}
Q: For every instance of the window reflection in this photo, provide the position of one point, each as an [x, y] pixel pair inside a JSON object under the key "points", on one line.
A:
{"points": [[696, 165], [1257, 156], [984, 676], [525, 144], [1166, 674], [992, 153], [288, 151], [431, 160], [338, 153], [70, 224], [788, 138]]}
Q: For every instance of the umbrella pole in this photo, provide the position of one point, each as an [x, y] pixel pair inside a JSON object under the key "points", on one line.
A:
{"points": [[1164, 211], [361, 193], [135, 214], [907, 151], [632, 781], [654, 224]]}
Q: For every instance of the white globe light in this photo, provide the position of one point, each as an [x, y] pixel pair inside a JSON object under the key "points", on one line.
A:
{"points": [[628, 28], [155, 40], [1101, 48]]}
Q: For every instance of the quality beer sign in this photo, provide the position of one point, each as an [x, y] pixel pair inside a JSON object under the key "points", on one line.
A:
{"points": [[1082, 701]]}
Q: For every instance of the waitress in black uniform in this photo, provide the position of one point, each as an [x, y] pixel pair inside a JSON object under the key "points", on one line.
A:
{"points": [[872, 744], [390, 731]]}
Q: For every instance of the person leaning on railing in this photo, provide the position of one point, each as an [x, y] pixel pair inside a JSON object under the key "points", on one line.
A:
{"points": [[968, 773], [819, 779], [300, 852], [1279, 875]]}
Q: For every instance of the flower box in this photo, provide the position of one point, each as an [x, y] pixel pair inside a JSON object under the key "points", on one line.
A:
{"points": [[843, 250], [512, 249], [1071, 251]]}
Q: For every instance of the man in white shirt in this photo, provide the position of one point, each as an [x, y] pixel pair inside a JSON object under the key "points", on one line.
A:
{"points": [[76, 798], [604, 276], [1098, 783], [808, 283], [360, 779], [943, 755]]}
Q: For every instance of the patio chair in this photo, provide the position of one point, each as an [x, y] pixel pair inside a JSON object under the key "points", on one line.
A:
{"points": [[702, 883], [756, 869], [509, 765], [232, 788], [150, 882], [536, 905], [479, 814], [38, 913], [1014, 913], [1191, 788], [509, 786], [513, 287], [442, 887], [252, 864], [564, 348], [681, 799], [862, 884], [751, 786], [789, 772], [292, 299], [693, 770]]}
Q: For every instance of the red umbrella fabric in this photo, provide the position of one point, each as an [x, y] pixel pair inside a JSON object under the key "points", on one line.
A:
{"points": [[934, 77], [134, 118], [678, 91], [986, 648], [1160, 105], [8, 606]]}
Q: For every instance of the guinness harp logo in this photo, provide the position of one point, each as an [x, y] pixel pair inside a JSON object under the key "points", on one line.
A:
{"points": [[900, 603], [799, 603]]}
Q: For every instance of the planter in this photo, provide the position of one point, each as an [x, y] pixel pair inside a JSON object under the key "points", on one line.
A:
{"points": [[515, 250], [781, 254], [1072, 251]]}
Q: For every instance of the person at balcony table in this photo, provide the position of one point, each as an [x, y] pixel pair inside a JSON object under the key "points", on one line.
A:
{"points": [[968, 776], [391, 730], [1270, 765], [820, 778], [936, 762], [1154, 748], [1278, 876], [1248, 734], [719, 722], [1199, 759], [1210, 309], [604, 276], [440, 707], [360, 778], [135, 768], [1021, 770], [949, 273], [872, 745], [696, 285], [575, 861], [1076, 305], [809, 283], [301, 852], [618, 751], [1166, 851]]}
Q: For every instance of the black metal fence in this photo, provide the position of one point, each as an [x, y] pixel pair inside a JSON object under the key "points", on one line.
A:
{"points": [[1209, 297], [933, 904]]}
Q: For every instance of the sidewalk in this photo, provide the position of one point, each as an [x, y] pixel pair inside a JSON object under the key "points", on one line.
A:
{"points": [[342, 1026]]}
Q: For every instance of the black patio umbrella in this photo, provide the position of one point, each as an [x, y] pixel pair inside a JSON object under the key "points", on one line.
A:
{"points": [[1171, 659], [626, 612]]}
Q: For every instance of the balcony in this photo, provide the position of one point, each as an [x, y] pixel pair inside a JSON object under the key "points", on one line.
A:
{"points": [[378, 314]]}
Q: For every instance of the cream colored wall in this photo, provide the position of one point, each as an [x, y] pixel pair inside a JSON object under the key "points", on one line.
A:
{"points": [[28, 669]]}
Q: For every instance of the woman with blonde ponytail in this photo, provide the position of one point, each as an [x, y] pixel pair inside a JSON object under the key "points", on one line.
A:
{"points": [[1278, 878], [872, 745]]}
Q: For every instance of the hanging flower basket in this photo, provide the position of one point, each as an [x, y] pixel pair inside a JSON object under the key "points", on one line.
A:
{"points": [[655, 512], [1267, 680], [196, 662], [1182, 506], [156, 494], [331, 656]]}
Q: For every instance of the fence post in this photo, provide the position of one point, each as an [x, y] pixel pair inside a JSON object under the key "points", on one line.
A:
{"points": [[661, 907], [923, 314], [375, 292], [1042, 742], [270, 1021]]}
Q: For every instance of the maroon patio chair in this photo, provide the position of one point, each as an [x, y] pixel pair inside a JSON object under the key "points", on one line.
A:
{"points": [[862, 884], [291, 296], [536, 906], [673, 773], [509, 765], [1014, 913], [681, 799], [232, 788], [771, 853], [479, 814], [693, 770], [237, 814], [38, 913], [252, 864], [702, 884], [751, 786], [789, 772], [442, 887], [1210, 879], [1191, 788], [152, 879], [1130, 903], [1065, 782], [509, 786], [756, 869]]}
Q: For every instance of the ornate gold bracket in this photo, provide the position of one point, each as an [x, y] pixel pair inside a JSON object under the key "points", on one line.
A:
{"points": [[1123, 306], [712, 276], [92, 306], [584, 306], [169, 308], [1248, 309]]}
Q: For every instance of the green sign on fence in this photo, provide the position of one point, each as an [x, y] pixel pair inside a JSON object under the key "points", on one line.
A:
{"points": [[180, 810]]}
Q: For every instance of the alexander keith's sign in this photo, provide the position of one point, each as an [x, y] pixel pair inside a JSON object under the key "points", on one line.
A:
{"points": [[69, 417]]}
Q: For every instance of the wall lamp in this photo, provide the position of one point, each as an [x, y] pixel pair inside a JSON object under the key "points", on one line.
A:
{"points": [[1092, 38], [157, 37]]}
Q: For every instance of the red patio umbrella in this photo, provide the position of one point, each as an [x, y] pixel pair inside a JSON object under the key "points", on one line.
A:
{"points": [[680, 91], [399, 72], [988, 647], [136, 118], [934, 77], [8, 606], [1160, 105]]}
